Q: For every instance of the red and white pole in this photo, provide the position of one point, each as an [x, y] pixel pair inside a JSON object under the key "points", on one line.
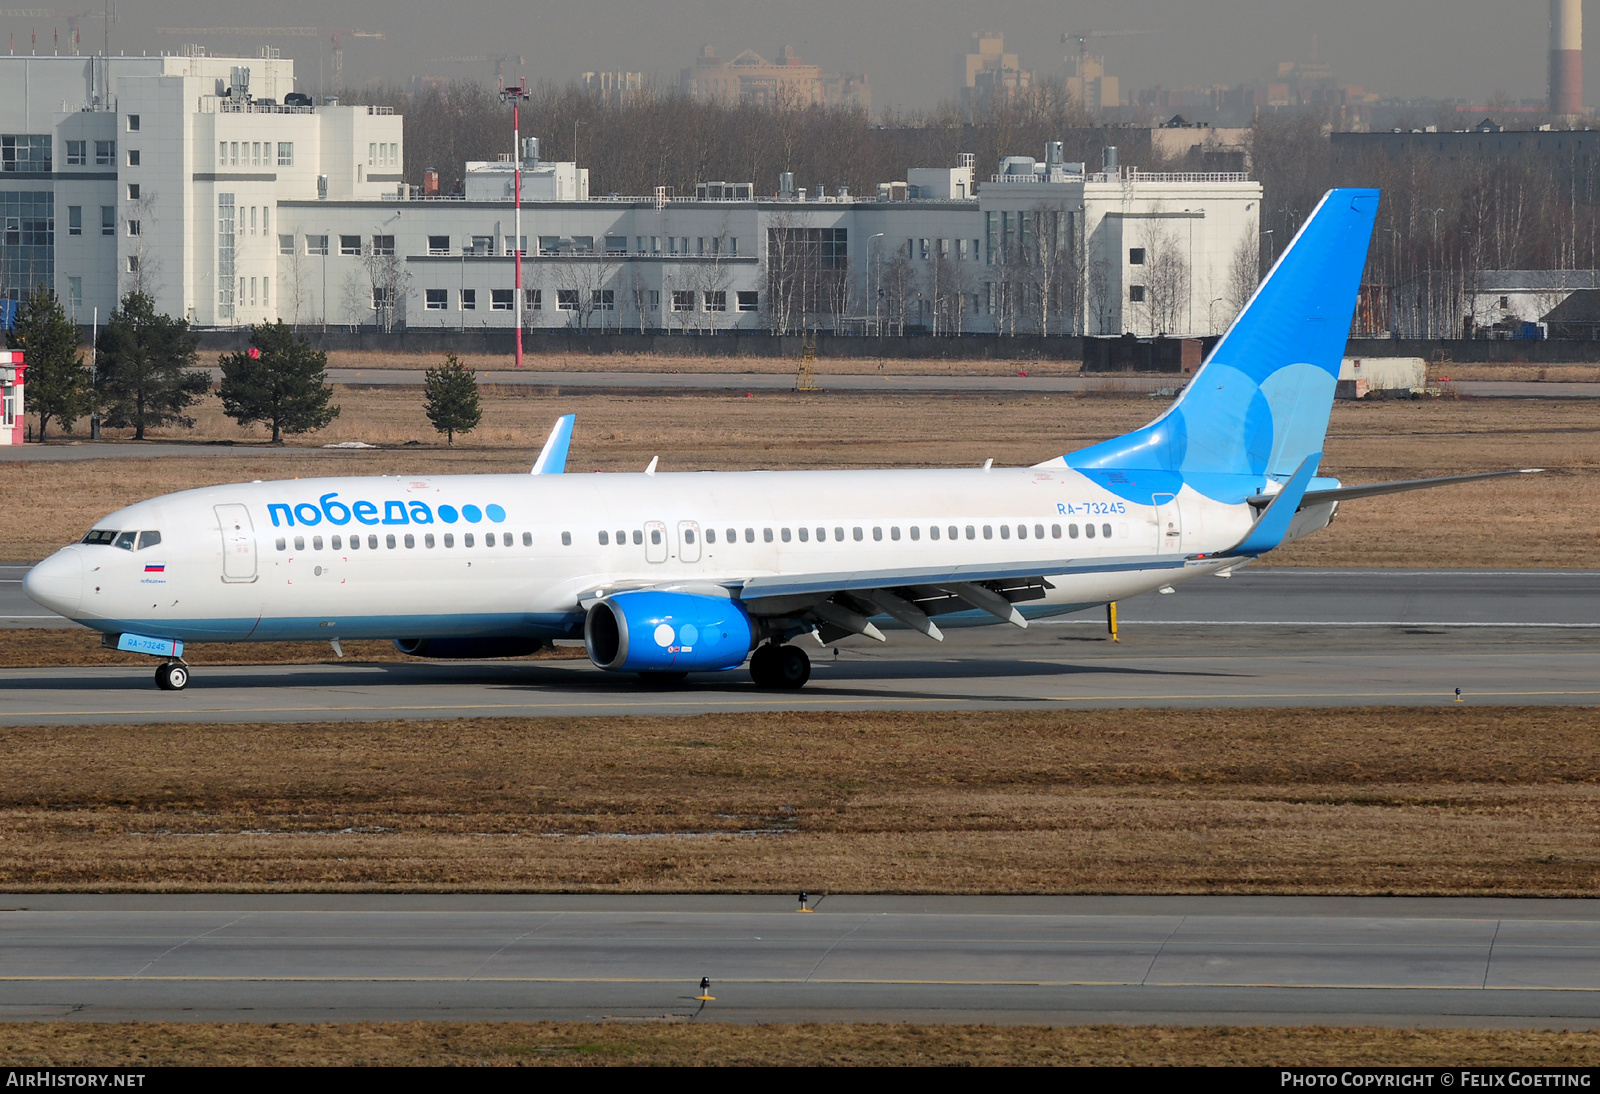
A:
{"points": [[516, 196]]}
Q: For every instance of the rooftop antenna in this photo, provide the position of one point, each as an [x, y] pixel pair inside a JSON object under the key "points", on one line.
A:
{"points": [[516, 95]]}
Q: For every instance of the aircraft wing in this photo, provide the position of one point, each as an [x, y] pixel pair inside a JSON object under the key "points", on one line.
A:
{"points": [[1350, 493]]}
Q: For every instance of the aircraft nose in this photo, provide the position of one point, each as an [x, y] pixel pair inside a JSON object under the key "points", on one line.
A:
{"points": [[57, 582]]}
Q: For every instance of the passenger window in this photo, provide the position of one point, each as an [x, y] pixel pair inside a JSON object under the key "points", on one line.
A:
{"points": [[954, 534], [805, 535], [355, 543], [282, 546], [822, 535], [933, 531], [411, 541], [733, 535], [1055, 531], [605, 539], [894, 532], [916, 533], [655, 537], [711, 535], [988, 532], [838, 535], [527, 538], [488, 539], [449, 540], [1088, 530], [622, 538], [1038, 532], [372, 543], [749, 535], [766, 534], [877, 535], [1022, 531], [638, 537], [784, 535], [688, 535], [126, 540], [566, 538], [1105, 530], [300, 543], [1005, 531], [1072, 531], [427, 541], [467, 540], [150, 539], [316, 543], [388, 541], [338, 543]]}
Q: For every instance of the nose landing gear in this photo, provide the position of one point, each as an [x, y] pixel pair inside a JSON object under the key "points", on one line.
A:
{"points": [[780, 667], [172, 676]]}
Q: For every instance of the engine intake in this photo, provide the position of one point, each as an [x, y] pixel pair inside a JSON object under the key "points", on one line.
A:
{"points": [[657, 631]]}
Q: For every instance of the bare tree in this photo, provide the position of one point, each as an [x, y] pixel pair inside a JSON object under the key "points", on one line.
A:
{"points": [[1167, 280], [390, 283], [1244, 274], [142, 274]]}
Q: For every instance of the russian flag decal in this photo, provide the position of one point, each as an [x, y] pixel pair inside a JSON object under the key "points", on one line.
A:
{"points": [[155, 568]]}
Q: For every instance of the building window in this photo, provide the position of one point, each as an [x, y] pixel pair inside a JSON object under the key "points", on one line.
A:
{"points": [[105, 153], [1136, 256], [616, 245], [134, 227], [286, 245], [75, 292], [716, 301], [533, 299], [382, 297], [566, 300], [225, 270], [74, 220], [372, 154], [749, 301], [133, 263], [108, 220], [438, 245], [133, 157], [350, 245], [436, 299], [682, 300], [133, 191], [655, 299], [316, 245], [733, 246], [604, 299], [133, 123], [1136, 294], [383, 245], [500, 299], [77, 153], [469, 299], [285, 153]]}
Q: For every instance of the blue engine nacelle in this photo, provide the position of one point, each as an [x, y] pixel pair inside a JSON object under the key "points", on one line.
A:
{"points": [[658, 631]]}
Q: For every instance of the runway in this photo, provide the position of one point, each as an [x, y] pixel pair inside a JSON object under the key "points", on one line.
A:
{"points": [[1057, 960], [1286, 637]]}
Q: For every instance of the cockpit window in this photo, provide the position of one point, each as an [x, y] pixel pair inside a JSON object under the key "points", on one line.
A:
{"points": [[148, 539], [125, 540], [101, 536]]}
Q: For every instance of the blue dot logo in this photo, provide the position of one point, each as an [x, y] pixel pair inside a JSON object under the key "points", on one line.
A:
{"points": [[471, 514], [496, 514], [447, 513]]}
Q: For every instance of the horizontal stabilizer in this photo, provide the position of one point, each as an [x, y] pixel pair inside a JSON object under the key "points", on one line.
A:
{"points": [[1274, 521], [553, 456], [1350, 493]]}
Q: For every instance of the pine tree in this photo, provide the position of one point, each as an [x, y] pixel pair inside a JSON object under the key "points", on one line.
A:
{"points": [[451, 394], [280, 381], [58, 382], [146, 367]]}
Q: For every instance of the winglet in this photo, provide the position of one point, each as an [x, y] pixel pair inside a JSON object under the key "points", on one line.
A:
{"points": [[553, 456], [1274, 523]]}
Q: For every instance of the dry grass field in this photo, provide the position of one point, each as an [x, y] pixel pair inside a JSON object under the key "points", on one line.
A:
{"points": [[683, 1044], [1498, 801], [1547, 520]]}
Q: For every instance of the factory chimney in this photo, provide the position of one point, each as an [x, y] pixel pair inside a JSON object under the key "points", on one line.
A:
{"points": [[1566, 57]]}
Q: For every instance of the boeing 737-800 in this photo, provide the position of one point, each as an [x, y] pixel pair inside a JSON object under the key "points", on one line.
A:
{"points": [[664, 574]]}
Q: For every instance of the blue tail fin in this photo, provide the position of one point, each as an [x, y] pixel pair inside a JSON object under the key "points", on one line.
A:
{"points": [[1260, 403]]}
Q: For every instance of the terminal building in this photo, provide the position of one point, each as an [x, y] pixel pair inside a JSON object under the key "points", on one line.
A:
{"points": [[231, 199]]}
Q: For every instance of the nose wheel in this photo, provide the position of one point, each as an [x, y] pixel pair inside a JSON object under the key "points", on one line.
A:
{"points": [[780, 667], [172, 676]]}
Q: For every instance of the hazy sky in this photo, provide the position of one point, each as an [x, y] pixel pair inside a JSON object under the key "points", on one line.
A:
{"points": [[1466, 48]]}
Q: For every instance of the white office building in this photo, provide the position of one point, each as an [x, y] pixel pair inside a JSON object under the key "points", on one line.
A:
{"points": [[210, 184]]}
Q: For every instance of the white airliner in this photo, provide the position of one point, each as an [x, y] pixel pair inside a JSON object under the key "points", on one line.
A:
{"points": [[663, 574]]}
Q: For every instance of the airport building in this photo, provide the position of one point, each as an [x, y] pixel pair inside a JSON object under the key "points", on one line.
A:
{"points": [[212, 185]]}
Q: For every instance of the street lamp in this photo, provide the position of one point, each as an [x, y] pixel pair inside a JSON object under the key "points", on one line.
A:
{"points": [[1272, 254], [877, 283], [1211, 314], [516, 95]]}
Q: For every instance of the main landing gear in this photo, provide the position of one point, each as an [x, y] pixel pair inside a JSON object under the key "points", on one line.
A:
{"points": [[780, 667], [172, 676]]}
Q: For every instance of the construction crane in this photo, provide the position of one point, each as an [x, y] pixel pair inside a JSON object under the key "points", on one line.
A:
{"points": [[497, 59], [335, 35], [1083, 39]]}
